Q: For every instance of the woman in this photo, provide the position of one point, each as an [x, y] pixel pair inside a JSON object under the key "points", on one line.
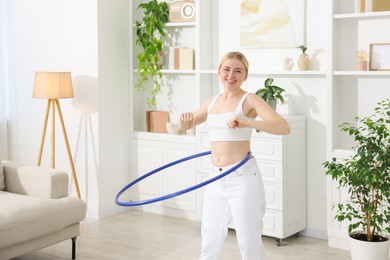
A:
{"points": [[230, 118]]}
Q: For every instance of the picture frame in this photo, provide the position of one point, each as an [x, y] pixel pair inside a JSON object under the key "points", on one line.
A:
{"points": [[379, 56], [380, 5]]}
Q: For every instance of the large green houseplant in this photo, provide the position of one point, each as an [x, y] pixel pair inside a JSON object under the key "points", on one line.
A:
{"points": [[366, 176], [271, 93], [150, 36]]}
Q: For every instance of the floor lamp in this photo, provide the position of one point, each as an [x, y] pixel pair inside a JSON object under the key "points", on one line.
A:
{"points": [[53, 86]]}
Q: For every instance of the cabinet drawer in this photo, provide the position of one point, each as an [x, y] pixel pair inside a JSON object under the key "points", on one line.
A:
{"points": [[273, 223], [271, 171], [268, 149], [273, 195]]}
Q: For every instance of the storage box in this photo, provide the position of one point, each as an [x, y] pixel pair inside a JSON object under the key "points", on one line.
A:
{"points": [[156, 121], [182, 58]]}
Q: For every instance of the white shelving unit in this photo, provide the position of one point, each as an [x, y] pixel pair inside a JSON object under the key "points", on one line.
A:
{"points": [[350, 93], [194, 85], [185, 90], [182, 90]]}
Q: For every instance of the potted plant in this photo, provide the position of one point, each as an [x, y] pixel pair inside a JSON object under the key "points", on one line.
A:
{"points": [[366, 177], [150, 36], [271, 93], [304, 59]]}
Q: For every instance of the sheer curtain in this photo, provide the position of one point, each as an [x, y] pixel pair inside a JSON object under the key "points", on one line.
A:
{"points": [[3, 78]]}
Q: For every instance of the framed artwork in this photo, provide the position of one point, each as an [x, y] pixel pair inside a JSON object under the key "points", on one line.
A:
{"points": [[380, 56], [271, 23]]}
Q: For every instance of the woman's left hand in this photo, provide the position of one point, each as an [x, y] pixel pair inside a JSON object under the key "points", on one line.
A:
{"points": [[235, 122]]}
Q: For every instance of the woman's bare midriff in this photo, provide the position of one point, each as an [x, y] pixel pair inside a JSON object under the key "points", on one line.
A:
{"points": [[227, 153]]}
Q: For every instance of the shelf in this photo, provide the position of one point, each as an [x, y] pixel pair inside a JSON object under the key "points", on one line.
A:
{"points": [[185, 24], [257, 73], [361, 73], [370, 15], [292, 73], [169, 71], [276, 72]]}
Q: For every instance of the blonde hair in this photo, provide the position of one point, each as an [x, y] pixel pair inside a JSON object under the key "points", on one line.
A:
{"points": [[235, 55]]}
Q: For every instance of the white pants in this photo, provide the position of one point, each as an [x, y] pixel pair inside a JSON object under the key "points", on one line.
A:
{"points": [[239, 195]]}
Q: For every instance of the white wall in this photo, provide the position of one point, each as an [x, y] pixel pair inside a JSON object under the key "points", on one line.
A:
{"points": [[3, 78], [90, 39], [305, 95], [113, 39]]}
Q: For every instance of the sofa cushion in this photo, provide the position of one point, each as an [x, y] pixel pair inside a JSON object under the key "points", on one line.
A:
{"points": [[2, 185], [26, 217]]}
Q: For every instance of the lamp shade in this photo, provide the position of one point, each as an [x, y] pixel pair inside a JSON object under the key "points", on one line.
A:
{"points": [[53, 85]]}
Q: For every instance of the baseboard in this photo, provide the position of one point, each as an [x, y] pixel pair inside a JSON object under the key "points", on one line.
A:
{"points": [[315, 233], [101, 214]]}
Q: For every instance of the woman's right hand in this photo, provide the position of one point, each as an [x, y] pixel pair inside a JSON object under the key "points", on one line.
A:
{"points": [[186, 121]]}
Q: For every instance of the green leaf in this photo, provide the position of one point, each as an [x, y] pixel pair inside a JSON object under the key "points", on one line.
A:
{"points": [[268, 82]]}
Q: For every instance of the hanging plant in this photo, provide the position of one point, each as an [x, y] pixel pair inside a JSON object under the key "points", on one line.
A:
{"points": [[150, 36]]}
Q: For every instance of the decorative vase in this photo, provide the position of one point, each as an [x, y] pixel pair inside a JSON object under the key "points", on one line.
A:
{"points": [[361, 63], [363, 250], [303, 62], [287, 63]]}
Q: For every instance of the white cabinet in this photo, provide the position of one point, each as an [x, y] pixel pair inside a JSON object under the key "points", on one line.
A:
{"points": [[350, 92], [149, 154], [282, 162]]}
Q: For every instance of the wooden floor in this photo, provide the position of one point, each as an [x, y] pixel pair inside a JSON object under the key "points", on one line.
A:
{"points": [[143, 236]]}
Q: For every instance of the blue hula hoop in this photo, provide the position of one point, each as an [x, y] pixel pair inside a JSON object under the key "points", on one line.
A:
{"points": [[174, 194]]}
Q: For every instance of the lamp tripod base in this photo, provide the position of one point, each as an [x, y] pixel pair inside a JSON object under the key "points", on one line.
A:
{"points": [[53, 104]]}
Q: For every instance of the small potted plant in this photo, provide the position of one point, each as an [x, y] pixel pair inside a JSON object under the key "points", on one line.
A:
{"points": [[271, 93], [150, 36], [366, 177], [304, 59]]}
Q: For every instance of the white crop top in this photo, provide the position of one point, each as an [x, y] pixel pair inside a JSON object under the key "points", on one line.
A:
{"points": [[217, 123]]}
